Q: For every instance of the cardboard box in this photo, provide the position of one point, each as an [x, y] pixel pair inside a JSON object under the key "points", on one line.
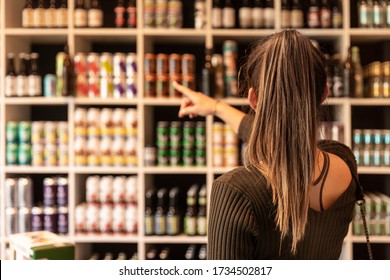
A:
{"points": [[40, 245]]}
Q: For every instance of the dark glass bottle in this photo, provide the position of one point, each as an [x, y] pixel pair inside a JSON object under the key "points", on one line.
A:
{"points": [[190, 253], [120, 11], [22, 77], [51, 15], [337, 15], [285, 19], [174, 216], [364, 14], [269, 14], [202, 252], [10, 79], [190, 219], [201, 228], [95, 15], [165, 254], [245, 14], [67, 74], [28, 14], [357, 73], [228, 15], [337, 89], [150, 206], [62, 14], [297, 18], [80, 14], [313, 15], [258, 14], [132, 14], [347, 75], [208, 74], [378, 14], [39, 15], [326, 14], [216, 17], [152, 254], [34, 79], [160, 219]]}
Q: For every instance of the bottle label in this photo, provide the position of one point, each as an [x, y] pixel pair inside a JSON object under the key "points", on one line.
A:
{"points": [[28, 18], [337, 20], [39, 17], [337, 89], [10, 86], [51, 18], [95, 18], [376, 15], [80, 18], [258, 17], [245, 17], [363, 17], [21, 85], [62, 17], [285, 19], [326, 18], [269, 17], [202, 226], [160, 225], [34, 85], [120, 16], [228, 18], [173, 225], [216, 18], [190, 225], [296, 18], [149, 225]]}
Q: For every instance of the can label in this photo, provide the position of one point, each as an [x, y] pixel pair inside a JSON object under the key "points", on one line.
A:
{"points": [[105, 218], [80, 63], [119, 87], [105, 189], [131, 89], [81, 218], [119, 218], [131, 218], [93, 64], [93, 86], [62, 191], [106, 66], [81, 85], [119, 62], [131, 65], [106, 87]]}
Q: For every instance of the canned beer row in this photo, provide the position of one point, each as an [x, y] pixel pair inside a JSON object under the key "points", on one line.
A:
{"points": [[106, 218], [331, 131], [105, 122], [225, 146], [37, 218], [371, 147], [377, 214], [108, 189], [163, 13]]}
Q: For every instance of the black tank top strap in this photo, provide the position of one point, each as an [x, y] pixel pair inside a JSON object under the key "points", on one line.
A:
{"points": [[322, 171], [325, 173]]}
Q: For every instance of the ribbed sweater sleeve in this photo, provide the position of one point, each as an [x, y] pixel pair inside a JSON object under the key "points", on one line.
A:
{"points": [[231, 224]]}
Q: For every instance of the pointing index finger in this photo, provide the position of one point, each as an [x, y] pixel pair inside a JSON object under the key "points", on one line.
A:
{"points": [[184, 90]]}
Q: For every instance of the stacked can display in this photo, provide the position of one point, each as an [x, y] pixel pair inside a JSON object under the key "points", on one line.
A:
{"points": [[37, 143], [331, 131], [225, 146], [162, 69], [163, 13], [371, 147], [110, 207], [22, 216], [377, 215], [106, 75], [106, 137], [181, 143]]}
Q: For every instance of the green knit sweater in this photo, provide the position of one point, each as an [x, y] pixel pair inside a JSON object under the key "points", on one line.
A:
{"points": [[242, 216]]}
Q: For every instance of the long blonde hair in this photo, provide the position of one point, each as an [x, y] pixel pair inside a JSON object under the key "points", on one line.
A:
{"points": [[288, 75]]}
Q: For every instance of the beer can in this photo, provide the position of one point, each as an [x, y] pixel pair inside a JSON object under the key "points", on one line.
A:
{"points": [[119, 189], [218, 156], [162, 157], [230, 66], [230, 156], [119, 218], [92, 189], [200, 134], [131, 189], [24, 219], [357, 136], [106, 87], [11, 218], [93, 152], [131, 218], [93, 63], [175, 135], [106, 151], [188, 157], [150, 85], [160, 14], [60, 58], [81, 217], [150, 156], [175, 64], [218, 133], [367, 136], [80, 117], [24, 154], [50, 219], [93, 86], [337, 131], [131, 65], [37, 154], [80, 63], [200, 157], [230, 137], [149, 12], [188, 64], [12, 153], [118, 117], [62, 191], [131, 87], [162, 86], [92, 217], [81, 85], [37, 132], [62, 132], [105, 189], [119, 64], [62, 155], [37, 218], [50, 132], [50, 85], [106, 65], [175, 157], [118, 152], [131, 159], [162, 64], [50, 155], [93, 122], [189, 81], [150, 64], [49, 191], [12, 130], [217, 62], [173, 92], [105, 218], [131, 121], [11, 192], [188, 134], [119, 86], [80, 151], [106, 122], [163, 134], [175, 14], [24, 132], [63, 220]]}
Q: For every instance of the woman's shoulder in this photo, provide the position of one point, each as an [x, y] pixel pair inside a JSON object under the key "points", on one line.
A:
{"points": [[341, 150]]}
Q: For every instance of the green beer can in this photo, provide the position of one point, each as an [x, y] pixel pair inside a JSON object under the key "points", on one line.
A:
{"points": [[12, 153], [24, 154], [12, 132], [24, 132]]}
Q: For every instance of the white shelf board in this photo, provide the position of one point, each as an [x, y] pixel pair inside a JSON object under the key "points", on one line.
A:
{"points": [[105, 238], [374, 170], [370, 101], [179, 239], [175, 170], [369, 34], [36, 169], [105, 170], [373, 239], [105, 101], [158, 101], [37, 100]]}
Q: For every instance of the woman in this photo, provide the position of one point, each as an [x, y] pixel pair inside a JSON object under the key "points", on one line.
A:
{"points": [[295, 198]]}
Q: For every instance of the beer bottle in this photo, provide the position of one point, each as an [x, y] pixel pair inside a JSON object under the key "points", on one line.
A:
{"points": [[21, 78], [200, 14], [80, 14], [120, 14], [245, 13], [95, 15], [62, 15], [28, 14], [51, 15], [216, 14], [296, 14], [347, 75], [34, 79], [337, 89], [313, 15], [173, 215], [269, 14], [190, 253], [326, 14], [337, 15], [150, 204], [67, 74], [39, 15], [165, 253], [357, 73], [378, 14], [190, 221], [208, 74], [202, 255], [228, 15], [364, 14], [387, 13], [285, 19], [132, 14], [201, 227], [258, 14], [160, 219], [10, 79]]}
